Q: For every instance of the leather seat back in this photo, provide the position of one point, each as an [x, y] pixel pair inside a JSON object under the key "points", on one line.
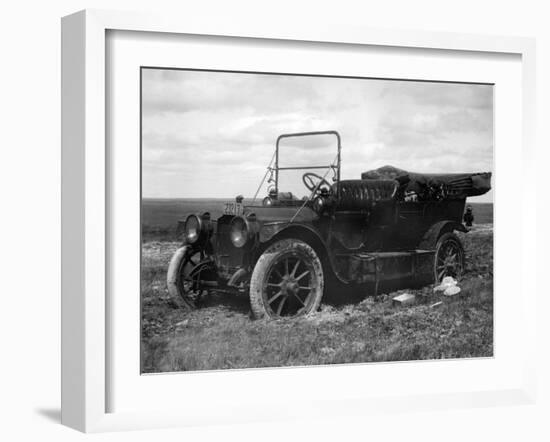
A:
{"points": [[363, 194]]}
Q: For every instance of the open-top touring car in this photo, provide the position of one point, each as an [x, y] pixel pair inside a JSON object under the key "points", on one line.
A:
{"points": [[283, 251]]}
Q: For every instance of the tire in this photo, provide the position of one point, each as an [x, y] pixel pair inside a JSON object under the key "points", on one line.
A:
{"points": [[178, 278], [278, 283], [449, 258]]}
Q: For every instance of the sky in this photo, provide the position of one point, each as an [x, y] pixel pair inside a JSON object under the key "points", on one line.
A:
{"points": [[212, 134]]}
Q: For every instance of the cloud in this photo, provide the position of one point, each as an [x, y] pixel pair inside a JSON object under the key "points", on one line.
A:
{"points": [[212, 134], [173, 91], [437, 127], [439, 95]]}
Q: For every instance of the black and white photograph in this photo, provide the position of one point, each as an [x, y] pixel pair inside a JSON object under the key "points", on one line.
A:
{"points": [[302, 220], [253, 221]]}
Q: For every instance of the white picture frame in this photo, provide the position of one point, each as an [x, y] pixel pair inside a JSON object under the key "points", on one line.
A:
{"points": [[85, 203]]}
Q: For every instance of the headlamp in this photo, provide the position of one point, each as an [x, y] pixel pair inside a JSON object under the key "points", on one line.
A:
{"points": [[319, 204], [193, 228], [242, 230], [197, 228]]}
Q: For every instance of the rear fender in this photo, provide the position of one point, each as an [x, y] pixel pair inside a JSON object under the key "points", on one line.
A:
{"points": [[429, 240]]}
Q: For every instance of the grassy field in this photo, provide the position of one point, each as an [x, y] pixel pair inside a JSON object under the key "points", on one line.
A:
{"points": [[222, 335]]}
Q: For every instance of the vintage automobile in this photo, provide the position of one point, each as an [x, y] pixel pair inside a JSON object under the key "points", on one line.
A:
{"points": [[390, 224]]}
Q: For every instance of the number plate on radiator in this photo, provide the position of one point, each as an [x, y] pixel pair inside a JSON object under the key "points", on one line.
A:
{"points": [[233, 209]]}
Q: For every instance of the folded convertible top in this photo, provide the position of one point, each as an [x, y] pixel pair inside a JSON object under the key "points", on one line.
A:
{"points": [[451, 185]]}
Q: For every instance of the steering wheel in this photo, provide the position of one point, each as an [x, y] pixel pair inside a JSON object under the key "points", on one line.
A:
{"points": [[313, 181]]}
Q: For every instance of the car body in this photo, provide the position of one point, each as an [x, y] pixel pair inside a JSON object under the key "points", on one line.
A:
{"points": [[285, 251]]}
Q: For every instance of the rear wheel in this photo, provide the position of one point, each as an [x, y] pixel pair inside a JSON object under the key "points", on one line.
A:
{"points": [[449, 257], [287, 281]]}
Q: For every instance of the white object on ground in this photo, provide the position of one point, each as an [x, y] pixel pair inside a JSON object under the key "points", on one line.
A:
{"points": [[404, 299], [447, 282], [451, 291]]}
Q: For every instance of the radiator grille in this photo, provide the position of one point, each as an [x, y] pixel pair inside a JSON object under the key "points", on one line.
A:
{"points": [[228, 257]]}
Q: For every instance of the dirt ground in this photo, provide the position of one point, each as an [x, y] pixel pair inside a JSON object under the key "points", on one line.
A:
{"points": [[361, 328]]}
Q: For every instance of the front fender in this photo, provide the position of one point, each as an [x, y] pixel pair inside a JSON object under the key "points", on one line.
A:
{"points": [[271, 232], [271, 229]]}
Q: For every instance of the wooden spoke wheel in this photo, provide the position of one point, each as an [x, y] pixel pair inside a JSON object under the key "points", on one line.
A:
{"points": [[449, 257], [185, 274], [287, 281]]}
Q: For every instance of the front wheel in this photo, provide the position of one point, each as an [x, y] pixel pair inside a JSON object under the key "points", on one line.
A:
{"points": [[449, 257], [287, 281], [184, 277]]}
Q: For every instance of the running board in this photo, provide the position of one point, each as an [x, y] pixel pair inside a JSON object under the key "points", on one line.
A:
{"points": [[384, 266]]}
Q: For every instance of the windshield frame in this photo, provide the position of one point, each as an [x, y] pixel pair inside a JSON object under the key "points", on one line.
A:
{"points": [[305, 134]]}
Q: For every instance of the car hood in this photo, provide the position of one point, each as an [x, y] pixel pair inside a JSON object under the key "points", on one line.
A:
{"points": [[282, 214]]}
